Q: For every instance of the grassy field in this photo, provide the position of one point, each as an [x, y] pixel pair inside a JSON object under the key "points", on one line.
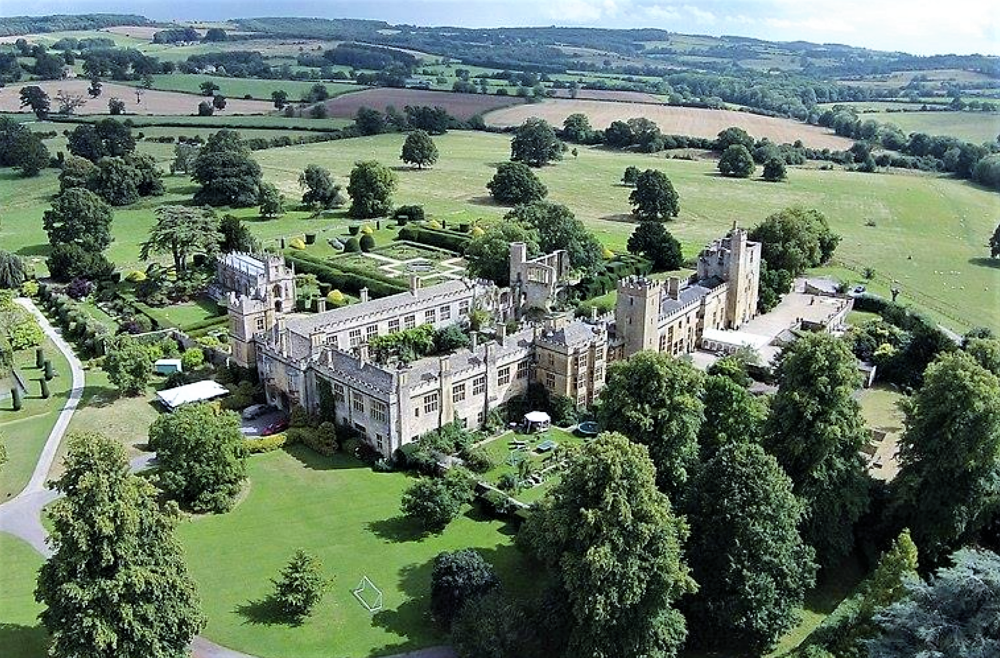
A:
{"points": [[240, 87], [928, 236], [25, 431], [237, 122], [349, 517], [21, 635], [975, 127]]}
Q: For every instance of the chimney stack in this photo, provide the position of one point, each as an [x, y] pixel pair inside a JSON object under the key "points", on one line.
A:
{"points": [[362, 354], [674, 287], [444, 364], [593, 314], [501, 333], [321, 304], [474, 338], [364, 295], [414, 284]]}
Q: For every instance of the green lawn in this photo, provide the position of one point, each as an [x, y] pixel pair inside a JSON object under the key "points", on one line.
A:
{"points": [[25, 431], [504, 457], [975, 127], [349, 517], [240, 87], [185, 314], [21, 634]]}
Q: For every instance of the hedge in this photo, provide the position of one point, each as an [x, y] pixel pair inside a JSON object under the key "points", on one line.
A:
{"points": [[443, 238], [624, 265], [265, 444], [344, 280]]}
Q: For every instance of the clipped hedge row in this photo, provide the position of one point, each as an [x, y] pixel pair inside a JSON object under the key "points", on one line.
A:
{"points": [[343, 279], [600, 283], [265, 444], [443, 238]]}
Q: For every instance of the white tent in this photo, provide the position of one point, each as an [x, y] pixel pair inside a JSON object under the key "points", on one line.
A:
{"points": [[196, 392], [536, 421]]}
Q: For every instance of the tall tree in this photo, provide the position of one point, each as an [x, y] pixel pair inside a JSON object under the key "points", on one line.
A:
{"points": [[236, 236], [953, 615], [320, 190], [35, 98], [949, 455], [300, 586], [615, 548], [79, 216], [116, 585], [654, 198], [226, 172], [271, 201], [419, 149], [732, 415], [655, 399], [795, 239], [129, 365], [736, 162], [733, 135], [29, 154], [535, 143], [181, 231], [746, 552], [458, 578], [488, 255], [816, 432], [775, 170], [201, 460], [558, 228], [653, 241], [515, 184], [371, 187]]}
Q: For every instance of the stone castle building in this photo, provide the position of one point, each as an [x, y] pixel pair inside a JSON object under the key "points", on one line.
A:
{"points": [[322, 360]]}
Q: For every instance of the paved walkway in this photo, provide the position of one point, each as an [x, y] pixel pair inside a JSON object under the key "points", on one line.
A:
{"points": [[21, 515]]}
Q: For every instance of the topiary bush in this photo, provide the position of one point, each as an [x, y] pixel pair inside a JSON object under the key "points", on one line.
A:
{"points": [[352, 245], [297, 243], [366, 243]]}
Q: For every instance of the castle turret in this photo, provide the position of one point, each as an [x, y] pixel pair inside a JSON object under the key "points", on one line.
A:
{"points": [[637, 313]]}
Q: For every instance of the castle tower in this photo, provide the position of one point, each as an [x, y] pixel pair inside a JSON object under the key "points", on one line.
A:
{"points": [[266, 292], [743, 277], [637, 313]]}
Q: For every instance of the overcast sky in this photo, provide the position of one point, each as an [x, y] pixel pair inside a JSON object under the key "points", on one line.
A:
{"points": [[917, 26]]}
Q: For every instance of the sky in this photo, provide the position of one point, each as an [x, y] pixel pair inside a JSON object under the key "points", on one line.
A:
{"points": [[918, 26]]}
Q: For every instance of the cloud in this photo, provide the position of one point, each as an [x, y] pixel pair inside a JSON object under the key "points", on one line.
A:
{"points": [[582, 11]]}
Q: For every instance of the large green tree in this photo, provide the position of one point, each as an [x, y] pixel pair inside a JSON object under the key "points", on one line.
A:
{"points": [[654, 198], [228, 175], [434, 501], [615, 547], [732, 415], [535, 143], [35, 98], [123, 180], [419, 149], [29, 154], [488, 256], [795, 239], [201, 460], [457, 578], [129, 365], [655, 399], [181, 231], [654, 242], [515, 184], [371, 187], [106, 138], [948, 484], [321, 192], [300, 586], [816, 432], [736, 162], [746, 553], [116, 585], [558, 228], [80, 217]]}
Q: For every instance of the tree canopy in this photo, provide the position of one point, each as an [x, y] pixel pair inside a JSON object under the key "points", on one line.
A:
{"points": [[201, 460], [321, 192], [419, 149], [371, 188], [116, 585], [816, 432], [655, 399], [615, 548], [653, 241], [227, 174], [300, 586], [535, 143], [654, 198], [457, 579], [515, 184], [736, 162], [181, 231], [558, 228], [78, 216], [732, 415], [11, 270], [129, 365], [488, 256], [746, 554]]}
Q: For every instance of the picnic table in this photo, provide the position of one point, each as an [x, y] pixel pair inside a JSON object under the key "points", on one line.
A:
{"points": [[547, 445]]}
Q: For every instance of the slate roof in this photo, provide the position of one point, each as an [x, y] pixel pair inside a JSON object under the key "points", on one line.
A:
{"points": [[687, 295]]}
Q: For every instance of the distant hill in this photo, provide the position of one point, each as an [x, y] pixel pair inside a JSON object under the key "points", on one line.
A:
{"points": [[15, 25]]}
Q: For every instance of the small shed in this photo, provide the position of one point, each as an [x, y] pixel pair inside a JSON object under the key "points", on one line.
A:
{"points": [[167, 366], [536, 421], [190, 393]]}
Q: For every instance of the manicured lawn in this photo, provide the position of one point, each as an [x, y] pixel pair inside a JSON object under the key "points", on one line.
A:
{"points": [[21, 634], [858, 318], [506, 459], [25, 431], [349, 517], [881, 411], [185, 314]]}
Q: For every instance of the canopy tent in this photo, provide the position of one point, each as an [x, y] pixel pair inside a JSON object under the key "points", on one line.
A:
{"points": [[196, 392], [536, 421]]}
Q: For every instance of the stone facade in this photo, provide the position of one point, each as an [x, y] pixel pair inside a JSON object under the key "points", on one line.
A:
{"points": [[257, 290], [321, 361]]}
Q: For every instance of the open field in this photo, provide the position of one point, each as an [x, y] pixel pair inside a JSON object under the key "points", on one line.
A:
{"points": [[237, 88], [21, 634], [348, 516], [672, 120], [25, 431], [612, 95], [975, 127], [460, 106], [236, 122]]}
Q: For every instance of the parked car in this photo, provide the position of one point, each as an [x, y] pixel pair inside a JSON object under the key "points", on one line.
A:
{"points": [[275, 427], [858, 290], [255, 411]]}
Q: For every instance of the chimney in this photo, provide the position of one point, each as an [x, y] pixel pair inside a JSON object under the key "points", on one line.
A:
{"points": [[501, 333], [414, 284], [364, 295], [362, 354], [320, 304], [674, 287], [474, 341], [444, 364], [593, 314]]}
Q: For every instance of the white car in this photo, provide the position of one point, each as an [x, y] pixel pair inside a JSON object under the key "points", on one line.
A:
{"points": [[254, 411]]}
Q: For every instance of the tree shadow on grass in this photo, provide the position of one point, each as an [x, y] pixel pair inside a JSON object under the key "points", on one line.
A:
{"points": [[266, 612], [316, 462], [485, 200], [28, 640], [34, 250], [412, 618], [398, 529], [626, 217], [100, 396], [993, 263]]}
